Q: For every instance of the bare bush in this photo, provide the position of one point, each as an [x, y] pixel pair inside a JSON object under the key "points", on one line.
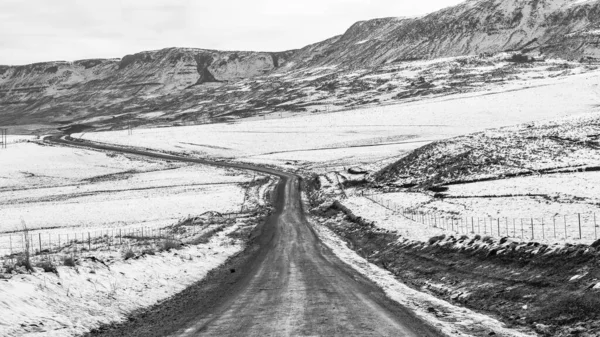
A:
{"points": [[168, 244], [69, 261], [128, 254], [48, 266]]}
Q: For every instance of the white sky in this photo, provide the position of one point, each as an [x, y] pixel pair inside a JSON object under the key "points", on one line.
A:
{"points": [[43, 30]]}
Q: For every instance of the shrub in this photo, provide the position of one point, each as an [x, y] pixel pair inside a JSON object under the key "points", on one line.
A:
{"points": [[520, 58], [438, 189], [437, 238], [129, 254], [148, 251], [69, 261], [8, 268], [47, 266], [168, 244], [24, 261]]}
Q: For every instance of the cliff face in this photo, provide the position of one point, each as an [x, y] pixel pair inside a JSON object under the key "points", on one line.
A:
{"points": [[567, 29], [172, 80], [57, 91], [152, 71]]}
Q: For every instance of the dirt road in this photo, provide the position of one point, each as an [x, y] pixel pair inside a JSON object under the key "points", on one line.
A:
{"points": [[286, 283]]}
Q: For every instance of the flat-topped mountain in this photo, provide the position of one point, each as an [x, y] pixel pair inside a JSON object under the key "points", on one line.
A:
{"points": [[171, 80], [567, 29]]}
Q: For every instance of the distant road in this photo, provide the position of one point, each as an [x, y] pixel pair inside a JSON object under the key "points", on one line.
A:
{"points": [[285, 283]]}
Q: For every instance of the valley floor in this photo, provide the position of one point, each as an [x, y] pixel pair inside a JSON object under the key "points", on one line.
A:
{"points": [[56, 191]]}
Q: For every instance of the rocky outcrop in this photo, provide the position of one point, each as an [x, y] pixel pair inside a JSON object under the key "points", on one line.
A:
{"points": [[177, 79], [76, 88], [567, 29]]}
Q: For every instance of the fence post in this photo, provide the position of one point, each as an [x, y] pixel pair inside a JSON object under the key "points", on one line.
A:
{"points": [[40, 241], [522, 229], [514, 228], [595, 232], [565, 227], [499, 227], [532, 233], [579, 218], [89, 241], [554, 223], [472, 225], [10, 239], [543, 231]]}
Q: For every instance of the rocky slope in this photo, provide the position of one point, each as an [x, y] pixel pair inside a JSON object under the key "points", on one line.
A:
{"points": [[196, 85], [546, 147], [62, 91], [557, 28]]}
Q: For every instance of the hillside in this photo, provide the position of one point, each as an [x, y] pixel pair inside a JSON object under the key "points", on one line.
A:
{"points": [[565, 29], [63, 91], [565, 145], [380, 61]]}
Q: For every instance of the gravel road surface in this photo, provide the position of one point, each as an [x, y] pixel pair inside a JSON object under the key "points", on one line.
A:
{"points": [[285, 283]]}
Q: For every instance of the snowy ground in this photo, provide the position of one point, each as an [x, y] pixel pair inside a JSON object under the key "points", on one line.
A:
{"points": [[66, 190], [64, 193], [521, 218], [372, 136], [76, 300], [52, 187], [450, 319], [391, 220]]}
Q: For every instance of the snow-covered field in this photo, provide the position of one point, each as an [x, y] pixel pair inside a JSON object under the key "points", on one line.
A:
{"points": [[522, 218], [62, 191], [76, 300], [66, 189], [388, 219], [369, 135], [52, 187]]}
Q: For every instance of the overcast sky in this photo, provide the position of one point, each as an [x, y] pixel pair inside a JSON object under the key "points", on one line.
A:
{"points": [[43, 30]]}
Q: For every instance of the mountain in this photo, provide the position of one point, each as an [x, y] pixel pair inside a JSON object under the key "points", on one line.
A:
{"points": [[568, 29], [62, 90], [197, 85]]}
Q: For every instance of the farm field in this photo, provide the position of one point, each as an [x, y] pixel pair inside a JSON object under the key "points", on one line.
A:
{"points": [[373, 136], [88, 207], [65, 190], [55, 187]]}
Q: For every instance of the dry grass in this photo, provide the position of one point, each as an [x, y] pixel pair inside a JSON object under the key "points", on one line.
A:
{"points": [[69, 261], [48, 266], [169, 244], [128, 254]]}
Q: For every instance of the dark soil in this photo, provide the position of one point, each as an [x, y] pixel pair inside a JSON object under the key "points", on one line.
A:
{"points": [[522, 287]]}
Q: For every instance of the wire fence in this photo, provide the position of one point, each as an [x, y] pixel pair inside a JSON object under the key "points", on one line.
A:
{"points": [[41, 244], [580, 226]]}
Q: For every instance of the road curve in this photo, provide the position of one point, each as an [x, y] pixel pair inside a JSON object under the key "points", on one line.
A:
{"points": [[289, 284]]}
